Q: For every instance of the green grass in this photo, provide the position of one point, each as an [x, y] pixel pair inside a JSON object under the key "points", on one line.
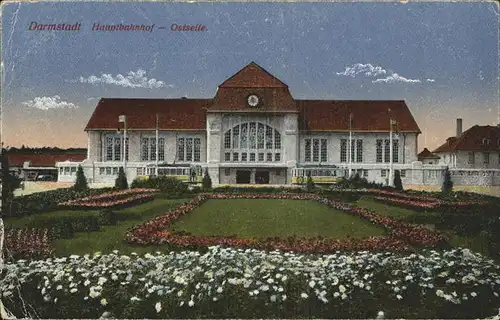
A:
{"points": [[261, 218], [109, 238], [387, 210]]}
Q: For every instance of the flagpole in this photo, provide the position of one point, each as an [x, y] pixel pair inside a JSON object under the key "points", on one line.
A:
{"points": [[157, 139], [390, 153], [350, 145]]}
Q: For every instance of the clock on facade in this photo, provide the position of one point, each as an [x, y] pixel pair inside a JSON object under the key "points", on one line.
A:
{"points": [[253, 100]]}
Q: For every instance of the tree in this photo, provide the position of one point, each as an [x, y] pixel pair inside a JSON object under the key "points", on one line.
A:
{"points": [[447, 187], [309, 183], [398, 185], [81, 180], [9, 184], [121, 181], [207, 181]]}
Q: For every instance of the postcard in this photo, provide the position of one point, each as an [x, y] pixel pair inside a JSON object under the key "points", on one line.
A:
{"points": [[250, 159]]}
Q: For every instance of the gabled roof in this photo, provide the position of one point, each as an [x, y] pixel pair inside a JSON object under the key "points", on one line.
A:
{"points": [[368, 115], [43, 160], [174, 114], [253, 76], [426, 154], [472, 140]]}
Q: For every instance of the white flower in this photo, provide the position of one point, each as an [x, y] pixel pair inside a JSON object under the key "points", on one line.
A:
{"points": [[473, 294], [158, 307], [104, 301], [304, 295], [399, 297], [59, 287], [179, 293], [336, 294], [134, 298], [273, 298], [408, 277], [439, 293], [87, 282], [344, 296], [342, 288], [312, 283], [270, 280], [191, 303], [380, 315], [73, 290], [219, 290]]}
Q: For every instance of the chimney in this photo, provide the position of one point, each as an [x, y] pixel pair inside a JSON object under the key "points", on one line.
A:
{"points": [[459, 127]]}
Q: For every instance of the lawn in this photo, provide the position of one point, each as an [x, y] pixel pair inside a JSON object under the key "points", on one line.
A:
{"points": [[261, 218], [109, 238]]}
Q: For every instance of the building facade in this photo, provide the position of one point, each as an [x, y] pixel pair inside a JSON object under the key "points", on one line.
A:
{"points": [[252, 131]]}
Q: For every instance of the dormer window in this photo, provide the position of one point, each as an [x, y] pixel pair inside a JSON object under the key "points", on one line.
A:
{"points": [[486, 142]]}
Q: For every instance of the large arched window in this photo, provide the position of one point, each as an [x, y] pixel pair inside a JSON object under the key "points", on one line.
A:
{"points": [[251, 142]]}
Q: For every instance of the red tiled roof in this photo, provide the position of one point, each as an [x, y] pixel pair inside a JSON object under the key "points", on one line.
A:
{"points": [[271, 100], [174, 114], [426, 154], [472, 140], [368, 115], [42, 160], [253, 76]]}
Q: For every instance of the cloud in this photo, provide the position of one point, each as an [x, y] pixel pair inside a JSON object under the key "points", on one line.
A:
{"points": [[393, 78], [371, 70], [368, 69], [134, 79], [47, 103], [92, 98]]}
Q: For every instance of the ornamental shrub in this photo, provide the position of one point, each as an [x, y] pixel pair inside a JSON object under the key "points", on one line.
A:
{"points": [[447, 187], [81, 181], [207, 181], [108, 217], [121, 181], [398, 185]]}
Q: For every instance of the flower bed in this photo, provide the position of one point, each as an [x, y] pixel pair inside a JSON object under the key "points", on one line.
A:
{"points": [[237, 283], [430, 205], [152, 232], [112, 199], [27, 243]]}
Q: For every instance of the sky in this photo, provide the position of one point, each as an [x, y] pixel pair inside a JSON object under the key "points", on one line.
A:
{"points": [[442, 58]]}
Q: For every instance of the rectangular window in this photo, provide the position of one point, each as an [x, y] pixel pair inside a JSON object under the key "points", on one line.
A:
{"points": [[308, 150], [387, 151], [227, 172], [277, 157], [278, 172], [61, 170], [269, 137], [260, 136], [324, 150], [353, 148], [261, 157], [140, 171], [109, 149], [73, 170], [235, 156], [395, 150], [197, 149], [115, 170], [244, 156], [359, 150], [252, 156], [66, 170], [343, 150], [227, 140], [486, 157], [236, 137], [379, 151], [383, 173], [161, 149], [315, 150], [244, 136], [118, 149], [144, 149], [365, 173], [180, 149], [269, 157], [108, 171], [189, 149], [252, 135], [277, 140], [227, 156], [471, 157], [102, 171], [152, 149], [402, 173]]}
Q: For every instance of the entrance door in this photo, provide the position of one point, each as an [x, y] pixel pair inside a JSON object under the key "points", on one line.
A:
{"points": [[262, 177], [243, 176]]}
